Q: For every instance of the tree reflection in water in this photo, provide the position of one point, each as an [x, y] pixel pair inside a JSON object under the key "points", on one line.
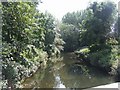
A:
{"points": [[67, 74]]}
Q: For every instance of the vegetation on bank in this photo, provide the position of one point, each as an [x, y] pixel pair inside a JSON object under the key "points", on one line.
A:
{"points": [[30, 38], [96, 40]]}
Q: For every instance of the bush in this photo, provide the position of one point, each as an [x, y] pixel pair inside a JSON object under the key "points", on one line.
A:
{"points": [[107, 59]]}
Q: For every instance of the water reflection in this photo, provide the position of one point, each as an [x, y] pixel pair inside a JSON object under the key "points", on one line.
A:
{"points": [[76, 79], [58, 83], [67, 74]]}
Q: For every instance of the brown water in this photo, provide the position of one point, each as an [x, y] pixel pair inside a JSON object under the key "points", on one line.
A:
{"points": [[67, 74]]}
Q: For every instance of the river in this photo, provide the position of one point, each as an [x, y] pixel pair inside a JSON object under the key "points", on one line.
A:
{"points": [[67, 74]]}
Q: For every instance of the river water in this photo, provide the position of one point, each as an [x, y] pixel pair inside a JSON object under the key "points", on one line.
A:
{"points": [[68, 74]]}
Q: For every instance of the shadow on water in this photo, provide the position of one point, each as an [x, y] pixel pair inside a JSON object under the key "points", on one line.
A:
{"points": [[67, 74]]}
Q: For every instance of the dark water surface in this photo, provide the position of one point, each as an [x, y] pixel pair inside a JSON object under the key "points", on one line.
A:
{"points": [[67, 74]]}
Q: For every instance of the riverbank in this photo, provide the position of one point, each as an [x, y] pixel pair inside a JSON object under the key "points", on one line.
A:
{"points": [[105, 59]]}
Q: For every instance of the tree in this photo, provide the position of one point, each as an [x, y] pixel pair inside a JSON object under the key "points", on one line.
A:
{"points": [[16, 20], [25, 36], [70, 34], [97, 25], [53, 41], [72, 29], [98, 36], [74, 18]]}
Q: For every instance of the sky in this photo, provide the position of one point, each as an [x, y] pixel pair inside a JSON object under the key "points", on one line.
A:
{"points": [[58, 8]]}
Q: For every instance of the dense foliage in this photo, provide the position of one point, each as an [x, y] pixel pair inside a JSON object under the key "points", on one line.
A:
{"points": [[74, 18], [70, 34], [98, 35], [25, 34], [96, 30], [30, 38], [71, 29]]}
